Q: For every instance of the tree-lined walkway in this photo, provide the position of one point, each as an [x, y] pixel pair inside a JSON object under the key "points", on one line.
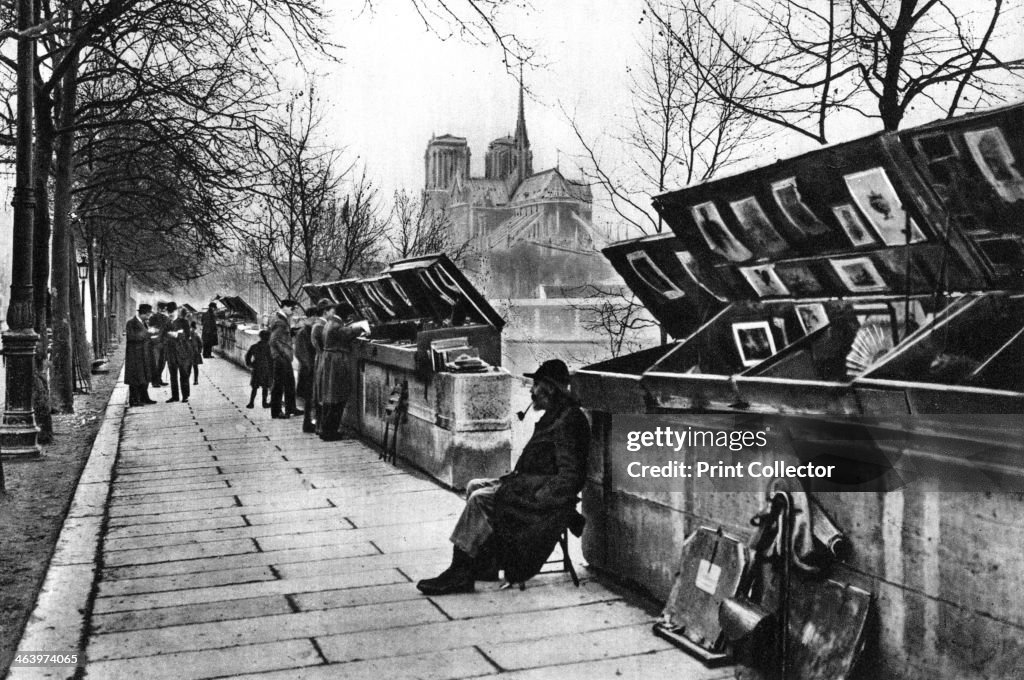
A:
{"points": [[236, 546]]}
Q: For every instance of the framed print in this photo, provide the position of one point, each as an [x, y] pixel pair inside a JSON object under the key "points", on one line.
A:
{"points": [[859, 275], [754, 341], [876, 197], [787, 196], [652, 275], [716, 235], [693, 270], [764, 280], [811, 316], [854, 229], [758, 231], [995, 160], [799, 279]]}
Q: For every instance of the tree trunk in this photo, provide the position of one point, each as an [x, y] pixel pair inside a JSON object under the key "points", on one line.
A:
{"points": [[92, 300], [41, 264], [64, 269], [101, 305]]}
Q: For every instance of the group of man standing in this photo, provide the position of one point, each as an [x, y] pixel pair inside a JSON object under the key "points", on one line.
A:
{"points": [[320, 341], [165, 338]]}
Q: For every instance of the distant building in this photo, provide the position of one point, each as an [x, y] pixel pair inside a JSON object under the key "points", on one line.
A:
{"points": [[512, 217], [532, 247]]}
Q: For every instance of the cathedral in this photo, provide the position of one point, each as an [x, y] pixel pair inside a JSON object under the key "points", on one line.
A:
{"points": [[533, 231]]}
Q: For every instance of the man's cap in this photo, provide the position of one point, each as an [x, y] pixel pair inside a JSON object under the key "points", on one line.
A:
{"points": [[145, 309], [288, 302], [324, 303], [171, 306], [553, 371]]}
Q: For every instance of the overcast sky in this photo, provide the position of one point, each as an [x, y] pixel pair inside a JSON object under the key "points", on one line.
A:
{"points": [[399, 84]]}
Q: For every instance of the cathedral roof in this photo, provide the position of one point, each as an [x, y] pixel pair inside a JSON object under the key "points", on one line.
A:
{"points": [[550, 184], [479, 191]]}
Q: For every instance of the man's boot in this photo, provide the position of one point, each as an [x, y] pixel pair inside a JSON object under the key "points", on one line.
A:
{"points": [[457, 578]]}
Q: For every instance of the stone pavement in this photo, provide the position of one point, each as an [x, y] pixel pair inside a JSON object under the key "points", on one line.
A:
{"points": [[233, 545]]}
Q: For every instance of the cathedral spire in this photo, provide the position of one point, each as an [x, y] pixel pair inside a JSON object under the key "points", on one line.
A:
{"points": [[522, 141], [522, 156]]}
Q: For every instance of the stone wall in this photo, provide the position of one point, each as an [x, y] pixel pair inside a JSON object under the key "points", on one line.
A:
{"points": [[945, 567]]}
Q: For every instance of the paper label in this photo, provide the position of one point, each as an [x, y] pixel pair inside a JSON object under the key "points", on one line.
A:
{"points": [[707, 577]]}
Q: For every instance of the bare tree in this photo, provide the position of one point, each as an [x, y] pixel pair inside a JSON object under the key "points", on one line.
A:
{"points": [[873, 58], [679, 131], [416, 228], [318, 218], [616, 315]]}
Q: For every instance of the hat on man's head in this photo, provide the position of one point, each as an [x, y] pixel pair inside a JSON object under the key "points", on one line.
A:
{"points": [[145, 309], [171, 306], [288, 302], [553, 371], [324, 303]]}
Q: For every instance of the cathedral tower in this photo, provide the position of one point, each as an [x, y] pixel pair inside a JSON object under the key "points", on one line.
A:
{"points": [[446, 157]]}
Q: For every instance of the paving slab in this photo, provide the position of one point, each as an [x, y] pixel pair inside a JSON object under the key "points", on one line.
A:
{"points": [[208, 541]]}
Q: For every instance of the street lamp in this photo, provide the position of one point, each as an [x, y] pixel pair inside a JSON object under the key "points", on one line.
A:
{"points": [[18, 428], [83, 273], [83, 276]]}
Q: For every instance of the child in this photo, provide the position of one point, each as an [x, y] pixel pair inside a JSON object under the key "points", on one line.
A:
{"points": [[197, 353], [259, 360]]}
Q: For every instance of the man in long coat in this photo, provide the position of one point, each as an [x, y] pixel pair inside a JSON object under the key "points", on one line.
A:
{"points": [[209, 331], [522, 514], [178, 350], [316, 339], [136, 357], [159, 321], [306, 354], [336, 379], [282, 354]]}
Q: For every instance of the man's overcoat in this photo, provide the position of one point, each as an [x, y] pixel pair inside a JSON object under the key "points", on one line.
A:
{"points": [[535, 501], [136, 356], [335, 373]]}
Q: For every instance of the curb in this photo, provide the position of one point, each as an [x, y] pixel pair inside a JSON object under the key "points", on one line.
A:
{"points": [[58, 621]]}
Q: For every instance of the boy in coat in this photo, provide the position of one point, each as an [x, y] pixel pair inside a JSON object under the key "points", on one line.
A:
{"points": [[262, 367], [522, 514]]}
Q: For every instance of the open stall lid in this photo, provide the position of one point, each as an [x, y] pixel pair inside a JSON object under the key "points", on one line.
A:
{"points": [[433, 282], [678, 291], [857, 219]]}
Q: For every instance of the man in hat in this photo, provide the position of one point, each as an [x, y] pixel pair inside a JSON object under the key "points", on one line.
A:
{"points": [[519, 517], [136, 357], [282, 354], [178, 350], [159, 321], [340, 329], [209, 330]]}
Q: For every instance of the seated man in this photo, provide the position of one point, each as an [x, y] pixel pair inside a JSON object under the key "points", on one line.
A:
{"points": [[521, 515]]}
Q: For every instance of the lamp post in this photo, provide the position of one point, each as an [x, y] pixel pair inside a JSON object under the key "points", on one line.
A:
{"points": [[18, 431], [83, 276]]}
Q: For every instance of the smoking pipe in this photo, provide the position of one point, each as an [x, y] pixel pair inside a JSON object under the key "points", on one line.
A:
{"points": [[522, 414]]}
